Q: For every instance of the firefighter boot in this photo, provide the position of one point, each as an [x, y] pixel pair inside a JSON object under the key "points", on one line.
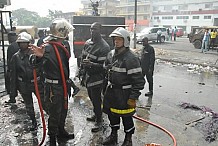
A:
{"points": [[52, 140], [34, 124], [98, 126], [127, 140], [111, 139], [91, 119], [75, 89], [63, 134]]}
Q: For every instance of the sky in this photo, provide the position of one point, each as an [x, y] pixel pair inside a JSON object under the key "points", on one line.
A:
{"points": [[42, 6]]}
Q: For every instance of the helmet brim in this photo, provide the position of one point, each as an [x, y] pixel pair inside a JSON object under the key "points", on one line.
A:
{"points": [[22, 41], [115, 35]]}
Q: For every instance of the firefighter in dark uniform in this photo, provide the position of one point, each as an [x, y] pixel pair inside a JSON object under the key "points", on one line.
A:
{"points": [[12, 49], [55, 58], [93, 56], [21, 76], [125, 80], [147, 64]]}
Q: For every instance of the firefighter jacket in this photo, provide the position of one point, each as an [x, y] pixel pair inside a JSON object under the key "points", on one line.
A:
{"points": [[94, 75], [147, 58], [125, 80], [21, 77], [51, 65]]}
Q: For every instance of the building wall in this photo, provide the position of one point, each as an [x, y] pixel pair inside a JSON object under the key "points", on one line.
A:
{"points": [[106, 7], [184, 13], [126, 8]]}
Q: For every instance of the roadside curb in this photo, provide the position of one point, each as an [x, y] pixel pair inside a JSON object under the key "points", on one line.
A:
{"points": [[187, 62], [183, 57]]}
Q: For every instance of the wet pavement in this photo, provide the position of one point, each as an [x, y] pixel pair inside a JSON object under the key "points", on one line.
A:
{"points": [[174, 83]]}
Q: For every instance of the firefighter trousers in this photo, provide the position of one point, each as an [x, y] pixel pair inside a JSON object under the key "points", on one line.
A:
{"points": [[95, 97], [57, 113], [128, 123]]}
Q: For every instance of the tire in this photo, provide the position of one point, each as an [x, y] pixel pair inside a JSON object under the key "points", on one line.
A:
{"points": [[162, 39], [197, 44]]}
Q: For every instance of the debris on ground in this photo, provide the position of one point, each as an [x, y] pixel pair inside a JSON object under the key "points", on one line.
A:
{"points": [[209, 127]]}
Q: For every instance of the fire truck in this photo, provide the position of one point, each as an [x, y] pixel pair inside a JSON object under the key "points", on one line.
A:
{"points": [[82, 30]]}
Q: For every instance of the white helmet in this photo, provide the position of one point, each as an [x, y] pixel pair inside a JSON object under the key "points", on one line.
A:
{"points": [[123, 33], [60, 28], [24, 37]]}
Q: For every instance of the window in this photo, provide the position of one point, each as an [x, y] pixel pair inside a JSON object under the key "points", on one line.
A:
{"points": [[145, 17], [131, 0], [154, 30], [168, 8], [208, 5], [167, 17], [155, 8], [156, 18], [195, 17], [182, 17], [183, 7], [207, 17], [130, 9]]}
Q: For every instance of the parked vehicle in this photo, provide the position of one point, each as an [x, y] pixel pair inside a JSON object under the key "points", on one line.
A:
{"points": [[151, 34], [197, 34], [180, 32]]}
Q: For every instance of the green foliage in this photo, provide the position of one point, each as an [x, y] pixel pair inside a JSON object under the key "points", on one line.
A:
{"points": [[25, 17]]}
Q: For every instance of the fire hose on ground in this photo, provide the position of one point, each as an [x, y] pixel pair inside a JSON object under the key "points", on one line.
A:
{"points": [[157, 126]]}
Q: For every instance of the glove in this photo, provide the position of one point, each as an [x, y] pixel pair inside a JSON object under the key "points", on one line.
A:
{"points": [[87, 63], [131, 103]]}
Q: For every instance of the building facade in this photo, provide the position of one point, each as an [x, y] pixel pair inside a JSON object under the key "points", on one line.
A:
{"points": [[184, 13], [105, 8], [126, 8]]}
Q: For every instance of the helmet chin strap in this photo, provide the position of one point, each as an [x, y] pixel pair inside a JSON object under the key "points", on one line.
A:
{"points": [[118, 50]]}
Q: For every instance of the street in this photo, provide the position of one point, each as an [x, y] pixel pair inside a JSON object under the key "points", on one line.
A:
{"points": [[174, 84]]}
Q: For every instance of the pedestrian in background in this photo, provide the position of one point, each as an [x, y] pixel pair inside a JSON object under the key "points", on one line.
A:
{"points": [[213, 36], [41, 35], [124, 82], [205, 41], [147, 64], [93, 56], [168, 34], [159, 32], [174, 33]]}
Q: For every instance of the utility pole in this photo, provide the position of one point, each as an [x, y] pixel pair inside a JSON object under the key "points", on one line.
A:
{"points": [[135, 24]]}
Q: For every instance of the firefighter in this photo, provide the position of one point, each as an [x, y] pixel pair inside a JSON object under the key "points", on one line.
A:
{"points": [[93, 56], [147, 63], [125, 80], [12, 49], [21, 76], [55, 58], [41, 35]]}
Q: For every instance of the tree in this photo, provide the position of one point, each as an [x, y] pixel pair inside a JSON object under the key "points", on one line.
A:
{"points": [[25, 17]]}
